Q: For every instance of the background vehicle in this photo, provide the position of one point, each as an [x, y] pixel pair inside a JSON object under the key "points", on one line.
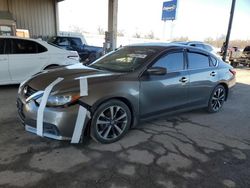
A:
{"points": [[20, 58], [133, 83], [201, 45], [87, 53], [237, 57]]}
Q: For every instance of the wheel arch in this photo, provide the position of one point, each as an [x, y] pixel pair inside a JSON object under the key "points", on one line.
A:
{"points": [[226, 88], [124, 100], [51, 65]]}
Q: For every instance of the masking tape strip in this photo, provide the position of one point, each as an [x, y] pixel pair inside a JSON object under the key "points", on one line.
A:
{"points": [[79, 125], [81, 113], [40, 112], [83, 87], [34, 95]]}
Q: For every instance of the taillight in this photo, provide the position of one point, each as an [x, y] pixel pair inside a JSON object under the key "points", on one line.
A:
{"points": [[232, 71]]}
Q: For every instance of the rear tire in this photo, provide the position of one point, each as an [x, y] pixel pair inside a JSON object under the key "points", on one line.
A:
{"points": [[110, 122], [217, 99]]}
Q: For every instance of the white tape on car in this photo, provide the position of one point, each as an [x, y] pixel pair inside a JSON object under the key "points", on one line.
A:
{"points": [[34, 95], [40, 112], [81, 113], [79, 125], [83, 87]]}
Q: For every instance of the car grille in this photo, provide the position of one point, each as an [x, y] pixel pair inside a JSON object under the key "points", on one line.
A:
{"points": [[28, 91]]}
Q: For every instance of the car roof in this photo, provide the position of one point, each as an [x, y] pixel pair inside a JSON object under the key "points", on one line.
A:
{"points": [[190, 42], [159, 44], [167, 45], [21, 38], [40, 41]]}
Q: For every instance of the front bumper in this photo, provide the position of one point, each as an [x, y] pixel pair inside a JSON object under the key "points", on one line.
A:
{"points": [[46, 134], [58, 123]]}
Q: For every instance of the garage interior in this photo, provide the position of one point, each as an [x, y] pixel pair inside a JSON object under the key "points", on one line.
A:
{"points": [[40, 18]]}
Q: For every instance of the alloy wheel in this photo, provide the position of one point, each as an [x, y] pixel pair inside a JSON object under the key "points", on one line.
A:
{"points": [[111, 122], [218, 99]]}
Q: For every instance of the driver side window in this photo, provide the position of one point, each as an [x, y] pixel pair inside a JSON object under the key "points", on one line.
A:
{"points": [[172, 62]]}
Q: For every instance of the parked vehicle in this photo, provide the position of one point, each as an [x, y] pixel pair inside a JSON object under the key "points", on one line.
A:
{"points": [[237, 57], [20, 58], [201, 45], [133, 83], [87, 53]]}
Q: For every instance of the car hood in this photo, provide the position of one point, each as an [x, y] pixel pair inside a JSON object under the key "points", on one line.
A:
{"points": [[71, 78]]}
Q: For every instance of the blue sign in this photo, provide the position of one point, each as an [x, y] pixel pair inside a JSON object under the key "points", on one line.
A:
{"points": [[169, 10]]}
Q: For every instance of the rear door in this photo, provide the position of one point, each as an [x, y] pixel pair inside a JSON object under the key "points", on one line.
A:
{"points": [[162, 93], [203, 77], [4, 62], [27, 58]]}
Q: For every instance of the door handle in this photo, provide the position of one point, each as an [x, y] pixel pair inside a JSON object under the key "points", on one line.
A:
{"points": [[213, 73], [183, 80]]}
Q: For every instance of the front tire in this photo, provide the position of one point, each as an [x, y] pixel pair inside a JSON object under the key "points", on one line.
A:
{"points": [[217, 99], [110, 122]]}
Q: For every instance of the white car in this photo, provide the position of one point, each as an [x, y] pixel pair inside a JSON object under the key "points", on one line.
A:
{"points": [[21, 58]]}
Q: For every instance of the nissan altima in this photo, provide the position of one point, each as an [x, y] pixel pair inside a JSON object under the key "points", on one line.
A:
{"points": [[119, 90]]}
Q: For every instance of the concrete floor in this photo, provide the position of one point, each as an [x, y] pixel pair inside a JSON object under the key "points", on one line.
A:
{"points": [[193, 149]]}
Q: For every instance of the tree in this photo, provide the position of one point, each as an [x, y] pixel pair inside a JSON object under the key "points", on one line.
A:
{"points": [[180, 39], [150, 35], [120, 33], [100, 31], [137, 35]]}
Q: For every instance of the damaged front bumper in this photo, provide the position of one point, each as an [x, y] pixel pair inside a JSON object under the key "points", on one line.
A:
{"points": [[58, 123]]}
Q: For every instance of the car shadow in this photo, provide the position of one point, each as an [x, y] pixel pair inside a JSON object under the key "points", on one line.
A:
{"points": [[12, 86]]}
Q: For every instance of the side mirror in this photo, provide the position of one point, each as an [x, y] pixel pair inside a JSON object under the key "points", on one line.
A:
{"points": [[157, 71]]}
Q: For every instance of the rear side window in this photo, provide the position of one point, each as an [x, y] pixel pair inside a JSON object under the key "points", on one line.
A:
{"points": [[172, 62], [197, 61], [41, 48], [76, 41], [1, 46], [26, 47], [62, 41], [213, 62], [208, 48], [23, 47]]}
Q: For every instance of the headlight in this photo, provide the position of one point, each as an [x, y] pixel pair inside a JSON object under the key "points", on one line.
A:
{"points": [[59, 100]]}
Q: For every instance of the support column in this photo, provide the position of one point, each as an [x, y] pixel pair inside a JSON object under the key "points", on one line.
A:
{"points": [[112, 22], [56, 18], [229, 30]]}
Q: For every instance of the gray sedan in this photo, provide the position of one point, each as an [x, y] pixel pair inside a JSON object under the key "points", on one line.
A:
{"points": [[116, 92]]}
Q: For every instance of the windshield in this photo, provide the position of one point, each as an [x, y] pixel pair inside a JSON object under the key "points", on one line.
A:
{"points": [[126, 59]]}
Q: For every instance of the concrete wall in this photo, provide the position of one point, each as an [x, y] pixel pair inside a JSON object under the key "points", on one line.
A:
{"points": [[38, 16]]}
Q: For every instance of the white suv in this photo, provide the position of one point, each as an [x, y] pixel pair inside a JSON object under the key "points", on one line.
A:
{"points": [[21, 58]]}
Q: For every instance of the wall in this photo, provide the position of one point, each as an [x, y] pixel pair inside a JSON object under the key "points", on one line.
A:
{"points": [[38, 16]]}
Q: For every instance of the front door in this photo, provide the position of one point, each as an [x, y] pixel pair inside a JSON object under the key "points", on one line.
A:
{"points": [[162, 93]]}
